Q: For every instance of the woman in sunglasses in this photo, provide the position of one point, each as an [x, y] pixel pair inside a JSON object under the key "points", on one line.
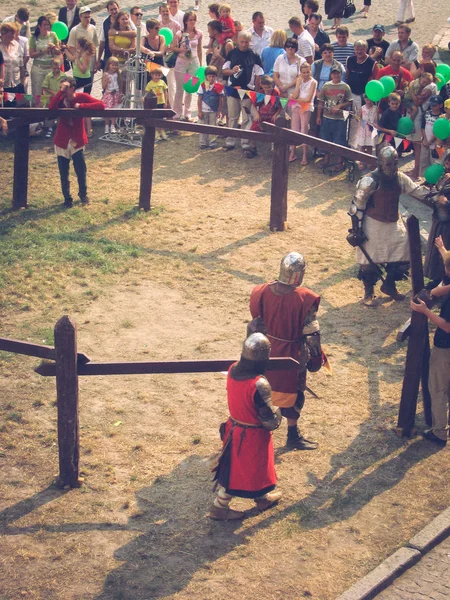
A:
{"points": [[287, 68]]}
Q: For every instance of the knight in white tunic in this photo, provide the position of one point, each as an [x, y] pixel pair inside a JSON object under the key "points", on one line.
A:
{"points": [[378, 228]]}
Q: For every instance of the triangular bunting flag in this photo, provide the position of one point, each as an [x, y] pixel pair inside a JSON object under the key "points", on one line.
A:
{"points": [[397, 141], [187, 77], [345, 113], [406, 144], [218, 87], [252, 96], [267, 98], [242, 93], [28, 97], [440, 151], [260, 97], [374, 133], [195, 80], [20, 96], [388, 137], [165, 71], [283, 102], [292, 102]]}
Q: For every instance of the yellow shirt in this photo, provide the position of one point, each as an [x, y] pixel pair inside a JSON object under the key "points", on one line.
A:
{"points": [[158, 88]]}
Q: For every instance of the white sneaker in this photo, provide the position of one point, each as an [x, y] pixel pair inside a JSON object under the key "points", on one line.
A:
{"points": [[113, 129], [106, 128]]}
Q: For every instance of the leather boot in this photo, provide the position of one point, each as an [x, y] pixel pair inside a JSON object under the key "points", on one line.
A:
{"points": [[295, 441], [267, 501], [388, 288], [225, 514], [369, 294]]}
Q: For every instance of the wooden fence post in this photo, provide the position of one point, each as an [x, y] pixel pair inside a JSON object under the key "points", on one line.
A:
{"points": [[147, 157], [417, 342], [67, 398], [278, 192], [21, 154]]}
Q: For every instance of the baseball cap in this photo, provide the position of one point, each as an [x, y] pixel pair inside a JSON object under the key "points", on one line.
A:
{"points": [[337, 69], [436, 100], [84, 9], [379, 27]]}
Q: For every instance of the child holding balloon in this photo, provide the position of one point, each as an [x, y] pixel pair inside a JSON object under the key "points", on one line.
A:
{"points": [[368, 114], [428, 154], [210, 100]]}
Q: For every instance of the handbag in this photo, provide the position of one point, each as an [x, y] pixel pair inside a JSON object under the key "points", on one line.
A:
{"points": [[170, 59], [349, 9]]}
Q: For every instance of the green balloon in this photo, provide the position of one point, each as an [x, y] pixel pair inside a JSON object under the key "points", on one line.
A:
{"points": [[441, 129], [388, 83], [405, 126], [167, 34], [433, 173], [190, 88], [444, 70], [60, 30], [440, 81], [200, 73], [374, 90]]}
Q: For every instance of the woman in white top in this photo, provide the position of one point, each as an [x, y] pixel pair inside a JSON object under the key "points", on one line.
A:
{"points": [[304, 93], [13, 60], [286, 68], [44, 46], [187, 44]]}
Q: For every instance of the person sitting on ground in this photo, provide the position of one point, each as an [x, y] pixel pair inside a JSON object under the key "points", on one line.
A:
{"points": [[246, 467], [334, 97], [71, 138]]}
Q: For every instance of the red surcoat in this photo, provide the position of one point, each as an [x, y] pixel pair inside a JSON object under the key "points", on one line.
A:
{"points": [[252, 468], [284, 317]]}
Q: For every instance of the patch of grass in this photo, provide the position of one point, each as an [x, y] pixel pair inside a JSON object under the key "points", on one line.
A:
{"points": [[127, 324], [15, 417]]}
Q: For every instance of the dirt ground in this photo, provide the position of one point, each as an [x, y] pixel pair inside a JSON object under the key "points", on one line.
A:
{"points": [[137, 528]]}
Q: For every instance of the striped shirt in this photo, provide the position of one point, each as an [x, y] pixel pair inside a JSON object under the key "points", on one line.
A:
{"points": [[341, 53]]}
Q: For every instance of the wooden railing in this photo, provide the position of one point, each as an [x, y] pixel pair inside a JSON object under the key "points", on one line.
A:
{"points": [[70, 364], [152, 118]]}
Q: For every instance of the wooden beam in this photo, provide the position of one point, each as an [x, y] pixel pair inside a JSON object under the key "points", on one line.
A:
{"points": [[147, 157], [294, 137], [211, 130], [173, 366], [21, 155], [279, 184], [417, 338], [38, 350], [34, 115], [67, 399]]}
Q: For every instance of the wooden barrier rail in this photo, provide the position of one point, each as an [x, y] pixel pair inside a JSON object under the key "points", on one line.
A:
{"points": [[70, 364], [152, 118]]}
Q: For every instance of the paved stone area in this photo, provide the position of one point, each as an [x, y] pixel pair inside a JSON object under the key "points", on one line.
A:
{"points": [[428, 580]]}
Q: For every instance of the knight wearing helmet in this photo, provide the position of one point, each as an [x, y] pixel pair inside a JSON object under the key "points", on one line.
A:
{"points": [[287, 313], [378, 228], [246, 467]]}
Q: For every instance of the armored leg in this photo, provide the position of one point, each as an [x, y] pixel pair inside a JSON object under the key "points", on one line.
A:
{"points": [[369, 275], [295, 441], [395, 271]]}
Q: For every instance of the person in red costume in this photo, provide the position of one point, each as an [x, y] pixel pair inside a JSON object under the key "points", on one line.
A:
{"points": [[246, 467], [286, 312], [70, 138]]}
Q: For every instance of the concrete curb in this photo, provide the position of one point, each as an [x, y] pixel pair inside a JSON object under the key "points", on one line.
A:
{"points": [[380, 578]]}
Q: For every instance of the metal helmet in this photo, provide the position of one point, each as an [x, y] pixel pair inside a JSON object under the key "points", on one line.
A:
{"points": [[388, 161], [256, 347], [292, 269]]}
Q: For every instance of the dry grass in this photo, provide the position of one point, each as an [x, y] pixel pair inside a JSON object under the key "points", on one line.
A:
{"points": [[175, 283]]}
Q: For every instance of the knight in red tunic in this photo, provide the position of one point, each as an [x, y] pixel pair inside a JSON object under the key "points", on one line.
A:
{"points": [[286, 313], [246, 466]]}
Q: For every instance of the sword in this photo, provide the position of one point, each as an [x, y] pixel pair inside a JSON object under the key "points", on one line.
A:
{"points": [[377, 267], [308, 389]]}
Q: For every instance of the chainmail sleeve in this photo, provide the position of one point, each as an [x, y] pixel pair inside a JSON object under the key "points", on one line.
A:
{"points": [[311, 338], [269, 416]]}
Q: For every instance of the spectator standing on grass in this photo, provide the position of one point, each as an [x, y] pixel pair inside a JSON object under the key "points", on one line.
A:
{"points": [[11, 62], [405, 45], [319, 36], [44, 45], [112, 96], [110, 25], [187, 44], [70, 138], [360, 69], [260, 33], [272, 52], [158, 86], [342, 47], [334, 97], [244, 70], [304, 39], [22, 18]]}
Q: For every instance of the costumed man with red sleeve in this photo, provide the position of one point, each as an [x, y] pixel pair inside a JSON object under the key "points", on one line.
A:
{"points": [[286, 313], [70, 138], [246, 467]]}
